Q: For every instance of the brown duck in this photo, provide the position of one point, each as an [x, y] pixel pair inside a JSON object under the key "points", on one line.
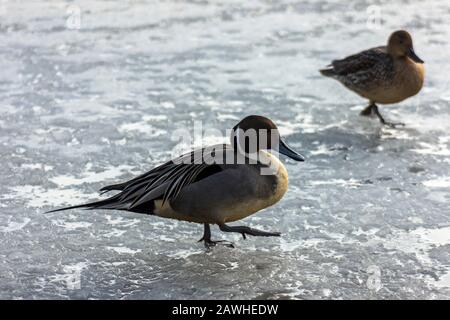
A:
{"points": [[213, 185], [384, 75]]}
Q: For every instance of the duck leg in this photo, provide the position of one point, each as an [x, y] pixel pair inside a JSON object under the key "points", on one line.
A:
{"points": [[372, 108], [367, 111], [386, 123], [248, 231], [210, 243]]}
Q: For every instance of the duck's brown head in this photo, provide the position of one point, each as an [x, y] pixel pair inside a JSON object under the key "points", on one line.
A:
{"points": [[400, 45], [254, 133]]}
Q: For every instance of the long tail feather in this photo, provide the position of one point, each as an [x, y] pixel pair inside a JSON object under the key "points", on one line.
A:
{"points": [[91, 205], [119, 186]]}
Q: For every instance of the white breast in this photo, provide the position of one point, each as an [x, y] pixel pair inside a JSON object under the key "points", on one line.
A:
{"points": [[276, 167], [244, 209]]}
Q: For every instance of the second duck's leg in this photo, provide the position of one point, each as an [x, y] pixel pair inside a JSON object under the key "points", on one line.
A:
{"points": [[207, 238], [248, 231], [367, 111], [386, 123]]}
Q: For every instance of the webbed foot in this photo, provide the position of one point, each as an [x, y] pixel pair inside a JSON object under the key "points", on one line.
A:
{"points": [[248, 231]]}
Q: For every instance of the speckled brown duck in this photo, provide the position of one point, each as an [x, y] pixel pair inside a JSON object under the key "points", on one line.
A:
{"points": [[384, 75], [214, 185]]}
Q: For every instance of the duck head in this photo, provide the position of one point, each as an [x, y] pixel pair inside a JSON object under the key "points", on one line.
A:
{"points": [[254, 133], [400, 45]]}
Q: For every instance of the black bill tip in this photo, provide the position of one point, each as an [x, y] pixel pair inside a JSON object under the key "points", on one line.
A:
{"points": [[287, 151], [414, 56]]}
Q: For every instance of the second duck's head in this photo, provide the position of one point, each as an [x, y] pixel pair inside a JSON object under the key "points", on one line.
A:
{"points": [[400, 45], [255, 133]]}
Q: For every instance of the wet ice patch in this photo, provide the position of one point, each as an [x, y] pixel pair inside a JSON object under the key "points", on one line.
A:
{"points": [[350, 183], [224, 117], [146, 126], [156, 118], [167, 105], [141, 127], [439, 196], [71, 225], [323, 150], [36, 166], [38, 197], [114, 233], [442, 182], [416, 220], [183, 254], [419, 241], [305, 123], [443, 282], [167, 239], [85, 110], [439, 149], [440, 121], [124, 250], [287, 128], [121, 221], [396, 134], [90, 176], [14, 225], [70, 276]]}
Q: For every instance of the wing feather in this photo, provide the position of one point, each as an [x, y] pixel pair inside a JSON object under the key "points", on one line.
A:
{"points": [[363, 70], [166, 181]]}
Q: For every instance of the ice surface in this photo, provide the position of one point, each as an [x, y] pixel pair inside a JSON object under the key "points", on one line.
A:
{"points": [[94, 106]]}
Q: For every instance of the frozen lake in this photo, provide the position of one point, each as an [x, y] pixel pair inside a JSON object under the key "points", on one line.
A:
{"points": [[366, 216]]}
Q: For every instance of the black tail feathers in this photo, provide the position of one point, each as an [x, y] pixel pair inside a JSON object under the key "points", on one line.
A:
{"points": [[114, 203], [119, 187], [102, 204]]}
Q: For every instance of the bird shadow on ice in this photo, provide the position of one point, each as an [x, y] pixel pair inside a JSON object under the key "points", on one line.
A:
{"points": [[362, 139]]}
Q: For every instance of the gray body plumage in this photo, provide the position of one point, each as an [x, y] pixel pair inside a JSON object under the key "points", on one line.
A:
{"points": [[198, 187]]}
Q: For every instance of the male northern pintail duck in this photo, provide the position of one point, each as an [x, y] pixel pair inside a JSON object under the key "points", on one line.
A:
{"points": [[385, 75], [213, 185]]}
